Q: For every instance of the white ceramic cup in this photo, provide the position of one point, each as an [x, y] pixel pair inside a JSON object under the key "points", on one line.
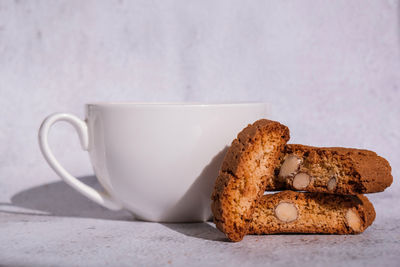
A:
{"points": [[158, 161]]}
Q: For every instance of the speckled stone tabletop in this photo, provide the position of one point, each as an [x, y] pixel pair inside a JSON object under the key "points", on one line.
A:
{"points": [[329, 69], [70, 230]]}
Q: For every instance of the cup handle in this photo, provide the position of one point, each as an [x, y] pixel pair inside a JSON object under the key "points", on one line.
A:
{"points": [[82, 129]]}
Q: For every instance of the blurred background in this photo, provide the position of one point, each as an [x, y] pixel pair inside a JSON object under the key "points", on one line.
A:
{"points": [[329, 69]]}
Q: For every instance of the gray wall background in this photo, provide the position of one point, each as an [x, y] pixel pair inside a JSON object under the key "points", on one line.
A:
{"points": [[329, 69]]}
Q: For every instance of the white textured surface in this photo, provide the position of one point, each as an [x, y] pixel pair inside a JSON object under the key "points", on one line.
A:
{"points": [[331, 71]]}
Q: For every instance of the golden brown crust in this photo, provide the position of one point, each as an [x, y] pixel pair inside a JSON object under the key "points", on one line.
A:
{"points": [[369, 210], [248, 164], [317, 213], [356, 171]]}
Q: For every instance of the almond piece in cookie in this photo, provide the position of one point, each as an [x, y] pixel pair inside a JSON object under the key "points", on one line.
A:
{"points": [[331, 184], [301, 181], [353, 221], [290, 166], [286, 212]]}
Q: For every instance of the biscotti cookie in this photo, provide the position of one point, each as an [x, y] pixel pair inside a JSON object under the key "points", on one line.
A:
{"points": [[248, 164], [301, 212], [331, 170]]}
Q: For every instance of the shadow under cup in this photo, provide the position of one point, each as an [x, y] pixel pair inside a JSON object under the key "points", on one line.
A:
{"points": [[159, 161]]}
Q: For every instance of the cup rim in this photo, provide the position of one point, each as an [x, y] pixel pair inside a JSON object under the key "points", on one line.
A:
{"points": [[177, 104]]}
